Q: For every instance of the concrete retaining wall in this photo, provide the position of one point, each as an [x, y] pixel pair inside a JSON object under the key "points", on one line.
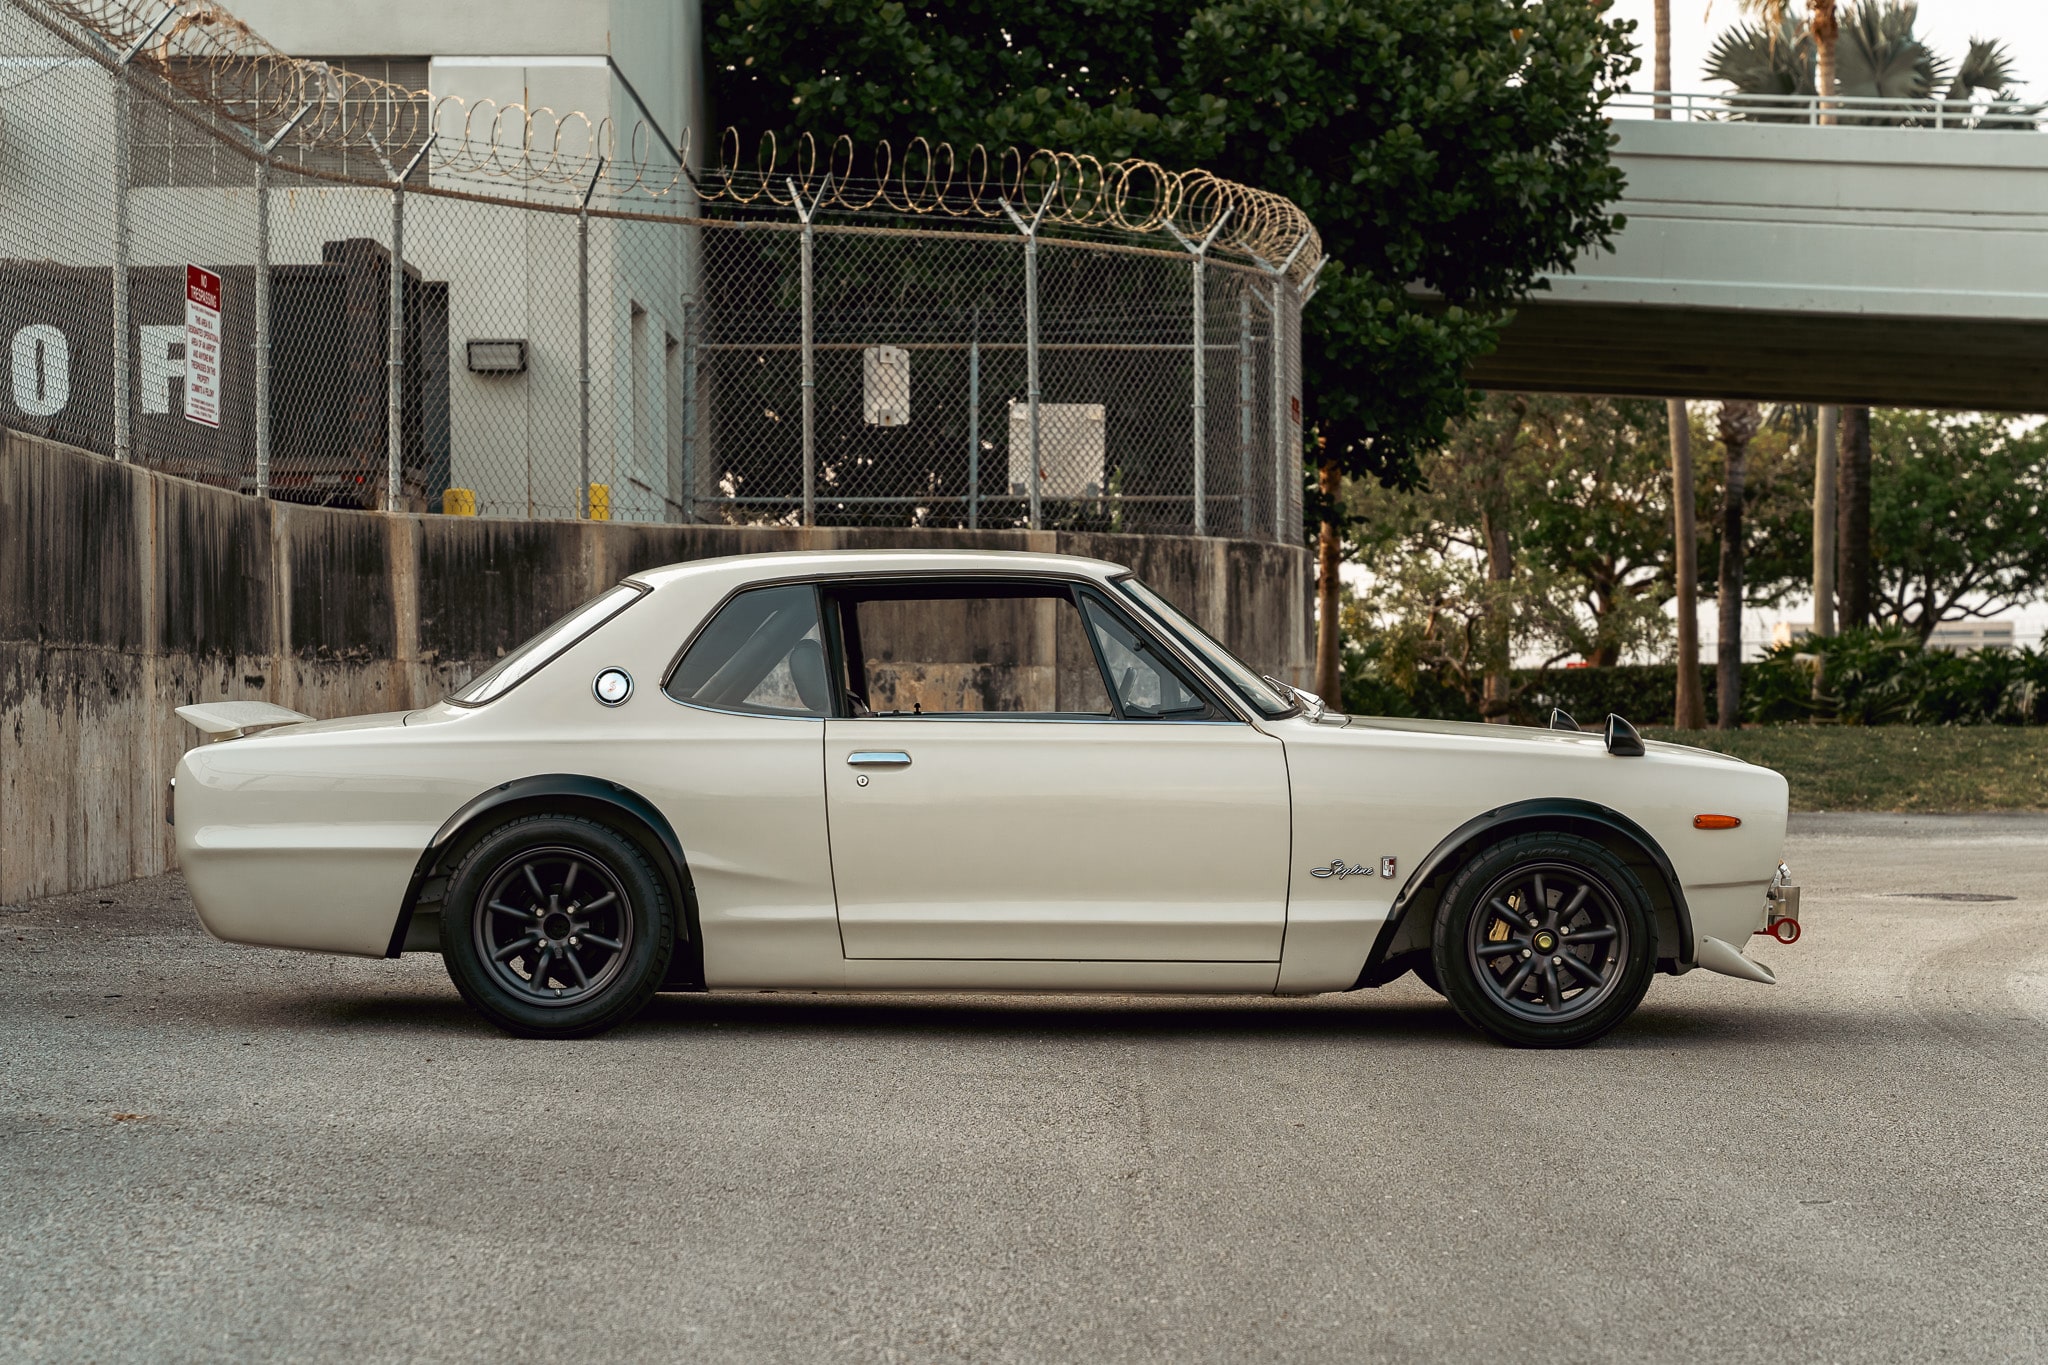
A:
{"points": [[124, 594]]}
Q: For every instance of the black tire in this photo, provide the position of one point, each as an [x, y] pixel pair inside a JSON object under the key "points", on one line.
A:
{"points": [[555, 926], [1423, 964], [1534, 984]]}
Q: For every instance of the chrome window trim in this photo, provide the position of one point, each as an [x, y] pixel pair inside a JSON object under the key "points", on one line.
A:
{"points": [[751, 715], [641, 592]]}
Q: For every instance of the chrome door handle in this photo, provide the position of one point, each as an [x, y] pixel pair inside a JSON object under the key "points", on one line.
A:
{"points": [[878, 758]]}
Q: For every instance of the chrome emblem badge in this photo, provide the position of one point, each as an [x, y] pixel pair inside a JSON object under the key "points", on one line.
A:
{"points": [[1341, 869]]}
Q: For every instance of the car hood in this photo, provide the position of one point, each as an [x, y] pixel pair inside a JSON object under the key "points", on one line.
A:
{"points": [[1519, 735]]}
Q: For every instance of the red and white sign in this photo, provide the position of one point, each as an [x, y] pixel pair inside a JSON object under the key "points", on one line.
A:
{"points": [[202, 346]]}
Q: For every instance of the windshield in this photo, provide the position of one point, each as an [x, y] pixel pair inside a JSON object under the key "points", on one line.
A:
{"points": [[527, 660], [1242, 678]]}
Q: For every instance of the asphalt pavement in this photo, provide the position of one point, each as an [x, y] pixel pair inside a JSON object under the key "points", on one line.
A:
{"points": [[211, 1152]]}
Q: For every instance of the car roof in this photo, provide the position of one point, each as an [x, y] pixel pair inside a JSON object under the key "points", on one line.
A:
{"points": [[803, 563]]}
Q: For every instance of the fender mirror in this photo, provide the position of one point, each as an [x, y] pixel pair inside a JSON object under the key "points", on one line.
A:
{"points": [[1622, 739], [1560, 719]]}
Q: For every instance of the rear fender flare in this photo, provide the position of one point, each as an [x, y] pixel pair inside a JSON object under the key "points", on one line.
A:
{"points": [[1626, 838], [626, 810]]}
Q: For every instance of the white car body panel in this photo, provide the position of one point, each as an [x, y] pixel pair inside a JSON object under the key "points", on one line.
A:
{"points": [[1375, 788], [1011, 855], [1083, 840]]}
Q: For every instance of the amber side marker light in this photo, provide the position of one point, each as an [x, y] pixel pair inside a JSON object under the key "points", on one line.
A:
{"points": [[1716, 821]]}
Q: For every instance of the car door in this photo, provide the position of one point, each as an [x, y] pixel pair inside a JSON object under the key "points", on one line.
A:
{"points": [[993, 796]]}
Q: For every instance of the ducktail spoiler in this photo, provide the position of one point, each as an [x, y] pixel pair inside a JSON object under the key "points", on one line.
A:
{"points": [[233, 719]]}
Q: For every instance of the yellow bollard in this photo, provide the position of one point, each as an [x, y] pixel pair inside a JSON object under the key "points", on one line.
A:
{"points": [[458, 502], [600, 502]]}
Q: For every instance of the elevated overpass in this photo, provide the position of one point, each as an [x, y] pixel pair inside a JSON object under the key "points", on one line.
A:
{"points": [[1895, 265]]}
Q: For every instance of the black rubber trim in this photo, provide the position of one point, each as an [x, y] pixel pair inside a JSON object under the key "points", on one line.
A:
{"points": [[673, 866], [1486, 827]]}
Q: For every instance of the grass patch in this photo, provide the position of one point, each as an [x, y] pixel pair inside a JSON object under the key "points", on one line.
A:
{"points": [[1893, 767]]}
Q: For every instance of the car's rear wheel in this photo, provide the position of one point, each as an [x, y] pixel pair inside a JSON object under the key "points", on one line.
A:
{"points": [[1545, 940], [556, 926]]}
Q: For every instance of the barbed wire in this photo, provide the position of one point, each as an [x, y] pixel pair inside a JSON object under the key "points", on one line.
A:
{"points": [[213, 59]]}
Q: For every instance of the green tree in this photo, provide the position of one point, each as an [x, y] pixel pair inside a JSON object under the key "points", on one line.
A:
{"points": [[1597, 511], [1959, 516], [1540, 528], [1737, 426], [1456, 146]]}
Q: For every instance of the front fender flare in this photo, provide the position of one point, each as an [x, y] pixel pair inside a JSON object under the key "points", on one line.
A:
{"points": [[1604, 823], [636, 816]]}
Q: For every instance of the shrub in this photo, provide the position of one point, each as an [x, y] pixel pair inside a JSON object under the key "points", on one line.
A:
{"points": [[1644, 694], [1884, 676]]}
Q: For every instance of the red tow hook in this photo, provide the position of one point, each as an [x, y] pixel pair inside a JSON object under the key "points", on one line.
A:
{"points": [[1781, 908]]}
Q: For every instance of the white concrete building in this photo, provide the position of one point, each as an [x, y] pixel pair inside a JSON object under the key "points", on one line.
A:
{"points": [[620, 78]]}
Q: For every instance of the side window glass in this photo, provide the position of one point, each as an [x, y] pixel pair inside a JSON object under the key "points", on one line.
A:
{"points": [[957, 650], [1148, 685], [762, 653]]}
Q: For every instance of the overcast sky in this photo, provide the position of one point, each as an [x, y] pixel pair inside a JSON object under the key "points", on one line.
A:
{"points": [[1948, 26]]}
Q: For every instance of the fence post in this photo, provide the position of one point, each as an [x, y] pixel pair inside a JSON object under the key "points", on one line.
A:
{"points": [[394, 361], [1030, 231], [263, 338], [1200, 251], [810, 360], [1278, 274], [1280, 461], [583, 342], [1244, 411], [689, 410], [124, 436], [974, 425], [124, 413], [263, 324]]}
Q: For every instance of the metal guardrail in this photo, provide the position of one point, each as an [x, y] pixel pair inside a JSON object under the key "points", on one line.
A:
{"points": [[1862, 111]]}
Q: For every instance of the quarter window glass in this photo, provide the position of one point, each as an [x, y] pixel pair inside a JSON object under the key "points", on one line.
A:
{"points": [[1240, 675], [1148, 686], [763, 652], [527, 660], [960, 651]]}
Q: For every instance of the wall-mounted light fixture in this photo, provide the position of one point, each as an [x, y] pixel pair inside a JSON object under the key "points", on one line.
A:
{"points": [[497, 356]]}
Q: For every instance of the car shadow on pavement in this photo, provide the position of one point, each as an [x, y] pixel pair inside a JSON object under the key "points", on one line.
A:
{"points": [[1366, 1018]]}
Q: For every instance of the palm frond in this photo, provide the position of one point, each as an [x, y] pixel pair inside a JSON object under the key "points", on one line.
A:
{"points": [[1988, 67], [1758, 60]]}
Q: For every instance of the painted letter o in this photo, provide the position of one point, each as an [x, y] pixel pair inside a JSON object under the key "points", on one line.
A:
{"points": [[42, 370]]}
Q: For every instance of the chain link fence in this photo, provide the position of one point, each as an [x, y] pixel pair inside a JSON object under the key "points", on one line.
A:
{"points": [[416, 308]]}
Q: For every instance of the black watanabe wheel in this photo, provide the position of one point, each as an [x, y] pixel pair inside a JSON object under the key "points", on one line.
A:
{"points": [[556, 926], [1545, 940]]}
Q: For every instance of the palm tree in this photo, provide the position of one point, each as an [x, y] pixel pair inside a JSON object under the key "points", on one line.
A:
{"points": [[1690, 706], [1741, 418], [1873, 52], [1660, 21]]}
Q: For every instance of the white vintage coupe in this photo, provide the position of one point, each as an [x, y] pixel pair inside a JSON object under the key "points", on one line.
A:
{"points": [[965, 772]]}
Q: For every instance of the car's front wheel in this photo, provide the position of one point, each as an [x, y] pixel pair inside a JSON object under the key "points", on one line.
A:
{"points": [[1545, 940], [556, 926]]}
